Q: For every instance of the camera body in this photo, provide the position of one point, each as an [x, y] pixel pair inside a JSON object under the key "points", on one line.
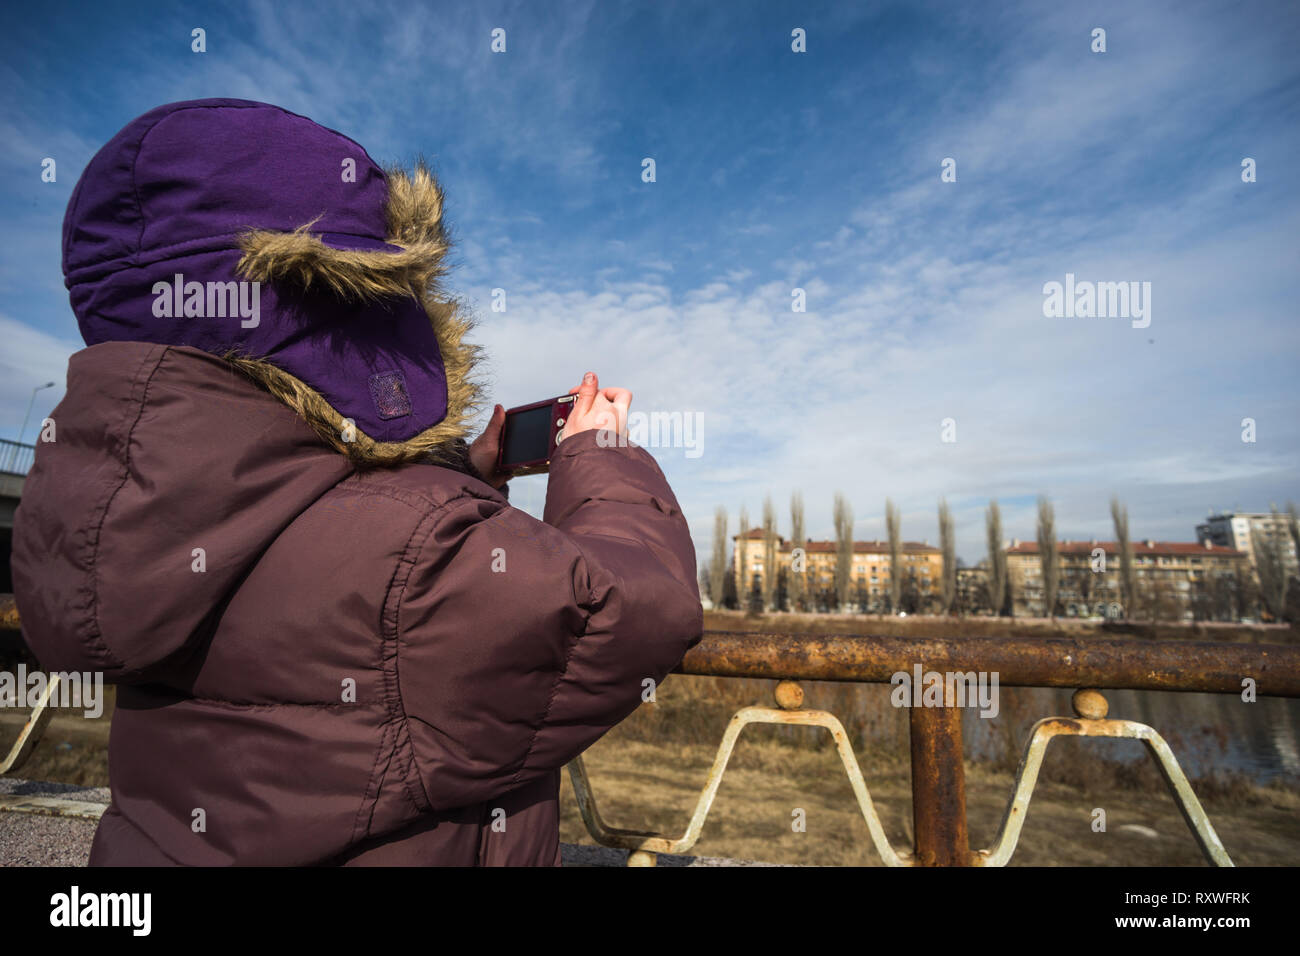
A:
{"points": [[531, 435]]}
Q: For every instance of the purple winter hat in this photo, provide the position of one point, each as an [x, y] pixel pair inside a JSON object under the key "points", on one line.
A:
{"points": [[245, 230]]}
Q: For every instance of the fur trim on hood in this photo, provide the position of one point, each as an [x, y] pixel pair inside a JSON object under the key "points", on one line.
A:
{"points": [[299, 259]]}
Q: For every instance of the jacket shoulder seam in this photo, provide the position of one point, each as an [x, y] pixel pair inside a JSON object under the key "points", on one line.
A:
{"points": [[555, 688], [393, 600], [154, 355]]}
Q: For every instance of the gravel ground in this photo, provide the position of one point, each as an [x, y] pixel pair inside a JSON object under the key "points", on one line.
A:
{"points": [[33, 839]]}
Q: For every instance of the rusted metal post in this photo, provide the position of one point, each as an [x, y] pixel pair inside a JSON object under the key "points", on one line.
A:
{"points": [[939, 787]]}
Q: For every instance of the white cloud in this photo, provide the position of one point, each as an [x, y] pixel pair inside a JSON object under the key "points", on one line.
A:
{"points": [[30, 358]]}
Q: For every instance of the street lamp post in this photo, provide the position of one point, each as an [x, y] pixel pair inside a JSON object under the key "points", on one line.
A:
{"points": [[29, 409]]}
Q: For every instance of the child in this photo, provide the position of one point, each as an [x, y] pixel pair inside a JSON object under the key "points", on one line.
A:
{"points": [[334, 641]]}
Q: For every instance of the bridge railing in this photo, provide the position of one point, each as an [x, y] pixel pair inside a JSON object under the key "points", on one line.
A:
{"points": [[1089, 665], [16, 458]]}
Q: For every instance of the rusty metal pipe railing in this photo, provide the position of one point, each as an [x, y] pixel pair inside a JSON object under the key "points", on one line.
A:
{"points": [[1136, 664], [938, 774]]}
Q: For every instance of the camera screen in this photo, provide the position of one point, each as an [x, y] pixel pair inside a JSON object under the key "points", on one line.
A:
{"points": [[527, 436]]}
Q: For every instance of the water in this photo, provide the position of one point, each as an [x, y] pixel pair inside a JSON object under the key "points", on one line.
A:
{"points": [[1208, 733]]}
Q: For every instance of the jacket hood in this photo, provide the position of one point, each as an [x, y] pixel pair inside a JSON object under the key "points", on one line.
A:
{"points": [[254, 234], [169, 476]]}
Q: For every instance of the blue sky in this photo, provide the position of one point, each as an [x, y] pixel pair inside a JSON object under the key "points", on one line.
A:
{"points": [[778, 170]]}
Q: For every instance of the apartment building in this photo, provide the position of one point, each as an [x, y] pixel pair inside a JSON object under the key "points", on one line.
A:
{"points": [[1243, 531], [972, 588], [870, 573], [1174, 580]]}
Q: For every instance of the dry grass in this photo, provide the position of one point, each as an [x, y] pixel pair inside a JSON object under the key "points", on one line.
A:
{"points": [[644, 786]]}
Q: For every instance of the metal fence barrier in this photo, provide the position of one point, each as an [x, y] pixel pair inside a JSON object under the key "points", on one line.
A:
{"points": [[16, 458], [938, 772]]}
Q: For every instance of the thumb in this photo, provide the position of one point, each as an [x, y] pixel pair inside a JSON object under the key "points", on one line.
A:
{"points": [[586, 395], [495, 423], [491, 436]]}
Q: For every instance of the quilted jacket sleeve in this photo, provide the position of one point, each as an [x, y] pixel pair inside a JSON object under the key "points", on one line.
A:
{"points": [[521, 642]]}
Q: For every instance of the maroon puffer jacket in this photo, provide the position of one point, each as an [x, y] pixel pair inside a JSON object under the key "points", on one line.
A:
{"points": [[322, 665]]}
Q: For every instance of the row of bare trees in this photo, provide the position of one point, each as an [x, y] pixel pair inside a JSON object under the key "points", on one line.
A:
{"points": [[796, 588], [793, 587]]}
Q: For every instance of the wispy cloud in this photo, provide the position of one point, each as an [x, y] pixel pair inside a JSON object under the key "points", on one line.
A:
{"points": [[774, 171]]}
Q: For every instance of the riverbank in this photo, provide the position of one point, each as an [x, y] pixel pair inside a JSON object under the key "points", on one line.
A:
{"points": [[935, 626]]}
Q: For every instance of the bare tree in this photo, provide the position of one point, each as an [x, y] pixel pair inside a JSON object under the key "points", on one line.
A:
{"points": [[1083, 580], [910, 597], [1270, 563], [1293, 589], [1293, 525], [744, 579], [1127, 584], [1161, 597], [1048, 554], [1222, 596], [997, 578], [1201, 598], [893, 529], [718, 563], [730, 597], [843, 517], [798, 556], [770, 570], [948, 545], [1245, 593]]}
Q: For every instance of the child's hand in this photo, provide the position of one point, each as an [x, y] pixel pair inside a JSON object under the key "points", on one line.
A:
{"points": [[597, 408], [483, 450]]}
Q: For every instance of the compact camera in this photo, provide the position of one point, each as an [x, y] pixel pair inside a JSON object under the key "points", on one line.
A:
{"points": [[531, 435]]}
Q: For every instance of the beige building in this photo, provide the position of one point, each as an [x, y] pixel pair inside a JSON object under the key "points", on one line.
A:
{"points": [[1175, 580], [870, 571]]}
